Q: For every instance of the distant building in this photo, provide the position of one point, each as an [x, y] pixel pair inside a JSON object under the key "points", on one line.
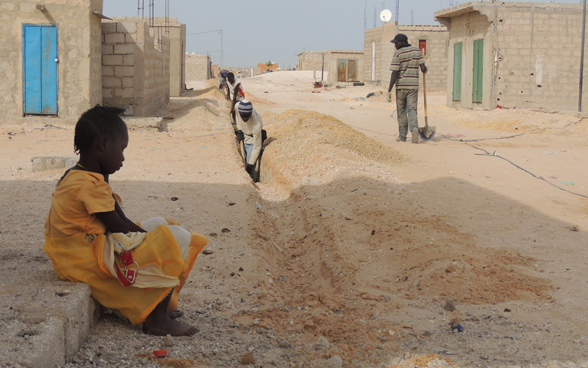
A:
{"points": [[378, 52], [263, 67], [513, 54], [340, 66]]}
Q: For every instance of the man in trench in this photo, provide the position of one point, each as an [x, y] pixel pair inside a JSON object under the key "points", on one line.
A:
{"points": [[406, 62], [234, 92], [249, 122]]}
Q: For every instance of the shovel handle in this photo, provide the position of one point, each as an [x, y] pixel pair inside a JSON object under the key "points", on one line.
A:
{"points": [[425, 98]]}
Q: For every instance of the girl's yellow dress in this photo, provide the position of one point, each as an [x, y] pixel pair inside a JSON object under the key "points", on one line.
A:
{"points": [[75, 243]]}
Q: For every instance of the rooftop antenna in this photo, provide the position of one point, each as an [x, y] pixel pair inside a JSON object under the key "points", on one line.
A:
{"points": [[397, 10], [141, 8], [167, 18], [151, 13], [385, 15], [450, 2], [365, 15], [375, 16]]}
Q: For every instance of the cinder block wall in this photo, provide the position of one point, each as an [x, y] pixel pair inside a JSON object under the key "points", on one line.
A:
{"points": [[198, 67], [79, 56], [539, 56], [135, 71], [312, 60], [379, 38]]}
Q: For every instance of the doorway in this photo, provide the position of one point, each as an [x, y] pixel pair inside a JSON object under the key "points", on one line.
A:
{"points": [[40, 59], [346, 70], [457, 51], [478, 78]]}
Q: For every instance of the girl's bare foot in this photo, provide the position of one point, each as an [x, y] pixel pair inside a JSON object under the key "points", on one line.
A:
{"points": [[160, 323]]}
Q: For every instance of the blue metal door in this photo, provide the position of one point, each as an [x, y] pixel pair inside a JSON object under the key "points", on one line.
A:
{"points": [[39, 48]]}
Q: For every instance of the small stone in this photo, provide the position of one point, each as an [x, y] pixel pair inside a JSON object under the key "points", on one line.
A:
{"points": [[168, 341], [248, 359], [449, 305], [322, 343], [255, 322], [309, 326], [284, 343], [207, 252]]}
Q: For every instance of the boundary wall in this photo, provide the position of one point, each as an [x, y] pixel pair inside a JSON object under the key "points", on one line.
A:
{"points": [[135, 69]]}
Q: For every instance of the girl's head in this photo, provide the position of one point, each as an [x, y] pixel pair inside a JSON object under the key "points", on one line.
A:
{"points": [[101, 137]]}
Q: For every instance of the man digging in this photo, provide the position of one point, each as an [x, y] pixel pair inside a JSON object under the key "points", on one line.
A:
{"points": [[405, 66]]}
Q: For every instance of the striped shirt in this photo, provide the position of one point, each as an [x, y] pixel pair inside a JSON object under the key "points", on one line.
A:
{"points": [[406, 62]]}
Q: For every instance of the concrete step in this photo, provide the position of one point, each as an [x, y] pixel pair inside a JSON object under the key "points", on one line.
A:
{"points": [[43, 319]]}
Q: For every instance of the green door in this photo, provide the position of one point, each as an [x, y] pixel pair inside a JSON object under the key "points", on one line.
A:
{"points": [[457, 71], [478, 70]]}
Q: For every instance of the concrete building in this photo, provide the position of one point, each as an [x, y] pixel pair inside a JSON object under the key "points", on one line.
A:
{"points": [[59, 58], [198, 67], [340, 66], [513, 54], [50, 57], [263, 67], [378, 52]]}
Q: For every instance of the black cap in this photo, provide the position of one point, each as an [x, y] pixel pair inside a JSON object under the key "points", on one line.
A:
{"points": [[400, 38]]}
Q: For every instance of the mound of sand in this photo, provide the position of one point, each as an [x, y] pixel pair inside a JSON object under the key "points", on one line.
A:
{"points": [[299, 132]]}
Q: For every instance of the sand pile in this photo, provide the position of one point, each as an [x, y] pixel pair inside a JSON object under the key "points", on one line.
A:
{"points": [[300, 132]]}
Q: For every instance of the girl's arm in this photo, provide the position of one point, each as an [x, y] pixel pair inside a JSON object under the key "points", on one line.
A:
{"points": [[113, 222], [132, 226]]}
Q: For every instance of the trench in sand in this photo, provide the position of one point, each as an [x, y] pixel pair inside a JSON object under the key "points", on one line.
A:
{"points": [[348, 245]]}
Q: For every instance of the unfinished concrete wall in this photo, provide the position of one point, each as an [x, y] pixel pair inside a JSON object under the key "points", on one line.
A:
{"points": [[313, 60], [135, 70], [78, 48], [176, 32], [531, 53], [378, 51], [198, 67]]}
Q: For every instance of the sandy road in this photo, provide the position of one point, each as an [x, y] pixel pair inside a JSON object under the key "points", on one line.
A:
{"points": [[357, 244]]}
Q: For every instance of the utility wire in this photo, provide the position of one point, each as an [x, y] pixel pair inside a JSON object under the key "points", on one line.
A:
{"points": [[509, 161]]}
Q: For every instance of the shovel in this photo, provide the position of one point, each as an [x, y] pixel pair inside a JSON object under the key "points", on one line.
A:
{"points": [[427, 132]]}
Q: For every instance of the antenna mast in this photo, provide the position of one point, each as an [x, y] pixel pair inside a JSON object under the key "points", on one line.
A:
{"points": [[397, 10], [365, 15]]}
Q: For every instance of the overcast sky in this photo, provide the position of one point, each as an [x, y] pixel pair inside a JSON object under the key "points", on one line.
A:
{"points": [[258, 31]]}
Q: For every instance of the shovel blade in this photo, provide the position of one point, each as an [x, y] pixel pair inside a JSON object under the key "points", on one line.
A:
{"points": [[427, 133]]}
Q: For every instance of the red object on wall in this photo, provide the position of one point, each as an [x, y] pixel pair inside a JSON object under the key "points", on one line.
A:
{"points": [[423, 46]]}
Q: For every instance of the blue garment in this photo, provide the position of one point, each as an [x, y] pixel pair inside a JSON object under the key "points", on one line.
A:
{"points": [[248, 150]]}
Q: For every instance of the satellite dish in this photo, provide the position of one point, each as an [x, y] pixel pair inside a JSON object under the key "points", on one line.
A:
{"points": [[385, 15]]}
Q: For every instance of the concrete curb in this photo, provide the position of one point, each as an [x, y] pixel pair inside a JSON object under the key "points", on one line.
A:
{"points": [[44, 163], [44, 319]]}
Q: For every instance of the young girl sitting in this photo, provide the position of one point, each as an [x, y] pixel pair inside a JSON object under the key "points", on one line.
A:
{"points": [[137, 270]]}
